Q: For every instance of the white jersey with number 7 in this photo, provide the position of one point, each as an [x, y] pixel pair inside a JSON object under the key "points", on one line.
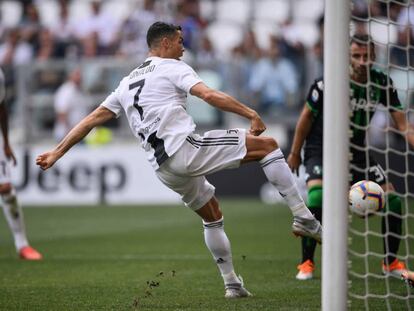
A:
{"points": [[153, 97]]}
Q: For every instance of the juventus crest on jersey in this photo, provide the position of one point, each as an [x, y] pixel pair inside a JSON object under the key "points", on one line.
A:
{"points": [[153, 97]]}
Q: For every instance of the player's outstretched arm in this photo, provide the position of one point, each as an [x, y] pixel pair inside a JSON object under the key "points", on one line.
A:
{"points": [[402, 124], [228, 103], [4, 130], [97, 117], [302, 130]]}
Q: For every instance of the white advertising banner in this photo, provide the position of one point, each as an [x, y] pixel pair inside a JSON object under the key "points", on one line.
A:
{"points": [[114, 174]]}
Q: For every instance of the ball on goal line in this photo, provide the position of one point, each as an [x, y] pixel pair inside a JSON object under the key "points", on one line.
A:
{"points": [[366, 197]]}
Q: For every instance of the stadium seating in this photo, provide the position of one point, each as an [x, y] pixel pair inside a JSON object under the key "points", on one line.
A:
{"points": [[203, 113], [207, 10], [79, 9], [233, 11], [11, 13], [276, 11], [382, 31], [403, 81], [306, 10], [224, 23], [120, 9], [48, 12], [263, 30], [224, 36], [306, 33]]}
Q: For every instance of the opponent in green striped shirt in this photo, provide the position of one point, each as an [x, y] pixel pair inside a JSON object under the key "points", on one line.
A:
{"points": [[369, 89]]}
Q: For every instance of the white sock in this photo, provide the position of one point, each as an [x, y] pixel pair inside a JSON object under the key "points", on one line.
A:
{"points": [[14, 216], [219, 246], [278, 173]]}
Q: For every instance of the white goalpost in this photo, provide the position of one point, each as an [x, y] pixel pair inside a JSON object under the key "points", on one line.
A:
{"points": [[336, 155]]}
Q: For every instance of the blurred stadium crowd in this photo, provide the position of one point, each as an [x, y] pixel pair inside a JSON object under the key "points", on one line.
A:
{"points": [[264, 52]]}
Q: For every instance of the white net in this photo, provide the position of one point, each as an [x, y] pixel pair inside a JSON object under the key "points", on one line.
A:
{"points": [[389, 235]]}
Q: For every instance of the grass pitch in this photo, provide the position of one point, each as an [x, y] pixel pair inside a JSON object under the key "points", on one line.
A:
{"points": [[154, 258]]}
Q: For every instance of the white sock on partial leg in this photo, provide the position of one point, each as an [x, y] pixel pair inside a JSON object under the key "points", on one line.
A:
{"points": [[278, 173], [219, 246], [14, 216]]}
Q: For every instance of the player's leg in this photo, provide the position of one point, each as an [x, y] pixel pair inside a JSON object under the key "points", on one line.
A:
{"points": [[315, 206], [219, 246], [308, 245], [14, 216], [391, 227], [198, 194], [267, 152], [391, 221]]}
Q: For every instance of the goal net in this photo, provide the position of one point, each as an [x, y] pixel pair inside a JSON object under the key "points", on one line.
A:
{"points": [[387, 236]]}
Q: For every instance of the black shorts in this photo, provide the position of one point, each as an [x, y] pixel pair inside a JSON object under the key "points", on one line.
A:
{"points": [[313, 166], [358, 171], [374, 172]]}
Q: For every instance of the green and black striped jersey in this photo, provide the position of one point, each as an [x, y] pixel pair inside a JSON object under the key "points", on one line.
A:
{"points": [[364, 99]]}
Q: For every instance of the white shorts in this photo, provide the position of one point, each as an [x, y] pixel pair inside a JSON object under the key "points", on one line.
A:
{"points": [[198, 156], [5, 171]]}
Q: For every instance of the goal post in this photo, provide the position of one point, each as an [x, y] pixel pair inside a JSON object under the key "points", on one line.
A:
{"points": [[336, 155]]}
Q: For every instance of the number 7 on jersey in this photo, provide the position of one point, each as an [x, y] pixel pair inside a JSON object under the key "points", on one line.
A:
{"points": [[139, 85]]}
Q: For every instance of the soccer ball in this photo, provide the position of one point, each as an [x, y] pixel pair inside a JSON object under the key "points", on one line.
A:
{"points": [[365, 198]]}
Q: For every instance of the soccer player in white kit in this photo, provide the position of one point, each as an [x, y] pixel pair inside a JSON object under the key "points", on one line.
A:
{"points": [[153, 97], [11, 208]]}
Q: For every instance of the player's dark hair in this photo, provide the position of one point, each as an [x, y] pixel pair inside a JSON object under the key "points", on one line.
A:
{"points": [[362, 39], [159, 30]]}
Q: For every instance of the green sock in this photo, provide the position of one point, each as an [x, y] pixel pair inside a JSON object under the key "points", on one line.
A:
{"points": [[315, 206], [392, 223]]}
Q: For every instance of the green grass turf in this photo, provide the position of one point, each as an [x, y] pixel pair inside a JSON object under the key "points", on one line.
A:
{"points": [[154, 258], [368, 241]]}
